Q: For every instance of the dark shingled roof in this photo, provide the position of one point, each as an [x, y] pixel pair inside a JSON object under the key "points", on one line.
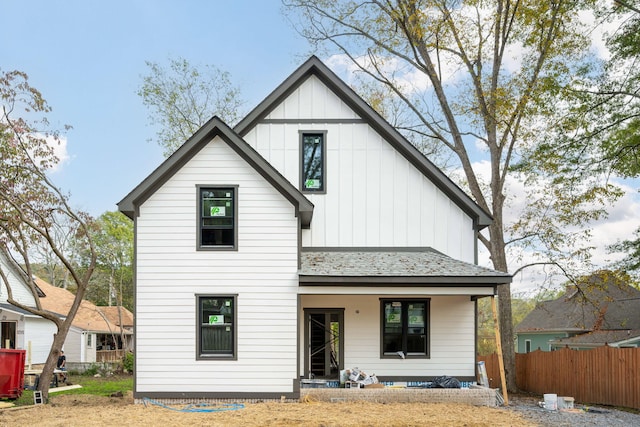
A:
{"points": [[396, 265], [597, 304]]}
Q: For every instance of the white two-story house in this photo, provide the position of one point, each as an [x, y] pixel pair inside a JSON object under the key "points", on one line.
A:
{"points": [[309, 239]]}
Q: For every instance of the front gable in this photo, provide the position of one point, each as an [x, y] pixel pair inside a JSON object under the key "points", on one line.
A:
{"points": [[378, 190], [212, 129], [17, 280]]}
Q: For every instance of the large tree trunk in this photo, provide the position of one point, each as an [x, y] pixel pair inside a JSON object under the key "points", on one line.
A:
{"points": [[51, 364], [505, 317], [506, 336]]}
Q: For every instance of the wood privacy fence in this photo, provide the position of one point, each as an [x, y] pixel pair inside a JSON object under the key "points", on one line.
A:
{"points": [[604, 375]]}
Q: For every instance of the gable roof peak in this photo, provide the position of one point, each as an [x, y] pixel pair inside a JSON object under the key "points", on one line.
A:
{"points": [[216, 127], [314, 66]]}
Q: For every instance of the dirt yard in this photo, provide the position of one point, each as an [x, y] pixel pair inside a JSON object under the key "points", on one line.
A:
{"points": [[85, 410]]}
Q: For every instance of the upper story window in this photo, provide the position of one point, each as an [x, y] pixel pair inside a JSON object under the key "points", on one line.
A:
{"points": [[217, 218], [405, 328], [313, 151]]}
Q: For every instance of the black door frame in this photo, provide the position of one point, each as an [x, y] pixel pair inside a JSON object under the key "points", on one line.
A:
{"points": [[328, 312]]}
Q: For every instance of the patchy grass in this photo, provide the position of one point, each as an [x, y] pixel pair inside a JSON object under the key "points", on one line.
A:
{"points": [[104, 386]]}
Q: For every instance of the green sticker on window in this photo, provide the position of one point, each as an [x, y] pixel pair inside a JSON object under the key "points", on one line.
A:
{"points": [[312, 183], [218, 211], [393, 318], [216, 319]]}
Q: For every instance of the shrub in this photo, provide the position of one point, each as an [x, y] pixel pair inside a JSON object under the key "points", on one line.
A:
{"points": [[127, 362], [92, 370]]}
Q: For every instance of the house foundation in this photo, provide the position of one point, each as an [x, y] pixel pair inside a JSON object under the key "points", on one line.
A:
{"points": [[477, 396]]}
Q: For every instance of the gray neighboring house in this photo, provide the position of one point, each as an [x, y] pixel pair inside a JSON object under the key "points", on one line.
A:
{"points": [[596, 313]]}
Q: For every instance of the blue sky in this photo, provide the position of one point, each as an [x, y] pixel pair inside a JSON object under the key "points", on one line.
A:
{"points": [[87, 58]]}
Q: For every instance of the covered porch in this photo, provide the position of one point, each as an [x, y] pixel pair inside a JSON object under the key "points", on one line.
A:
{"points": [[405, 315]]}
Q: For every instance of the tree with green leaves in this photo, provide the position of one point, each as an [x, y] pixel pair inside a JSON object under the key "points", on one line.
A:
{"points": [[621, 144], [597, 132], [481, 79], [182, 98], [33, 211], [112, 282]]}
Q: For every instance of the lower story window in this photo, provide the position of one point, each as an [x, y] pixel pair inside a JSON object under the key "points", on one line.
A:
{"points": [[216, 326], [405, 328]]}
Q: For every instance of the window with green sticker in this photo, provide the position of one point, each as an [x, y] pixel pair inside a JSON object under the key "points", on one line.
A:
{"points": [[217, 219], [405, 328], [216, 326], [313, 162]]}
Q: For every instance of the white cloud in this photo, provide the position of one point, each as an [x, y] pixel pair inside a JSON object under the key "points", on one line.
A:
{"points": [[59, 146], [622, 220], [60, 150]]}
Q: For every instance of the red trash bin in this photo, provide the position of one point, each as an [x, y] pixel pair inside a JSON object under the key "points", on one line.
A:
{"points": [[11, 372]]}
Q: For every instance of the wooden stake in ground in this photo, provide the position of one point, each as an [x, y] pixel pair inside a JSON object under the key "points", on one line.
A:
{"points": [[503, 378]]}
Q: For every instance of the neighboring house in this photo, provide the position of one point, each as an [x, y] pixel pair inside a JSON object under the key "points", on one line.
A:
{"points": [[19, 328], [598, 312], [90, 332], [119, 316], [613, 338], [309, 239]]}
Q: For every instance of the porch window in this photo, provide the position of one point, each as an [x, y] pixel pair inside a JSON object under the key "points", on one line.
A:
{"points": [[405, 328], [313, 162], [217, 218], [216, 326]]}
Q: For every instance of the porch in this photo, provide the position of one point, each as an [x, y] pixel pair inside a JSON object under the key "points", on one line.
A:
{"points": [[109, 356]]}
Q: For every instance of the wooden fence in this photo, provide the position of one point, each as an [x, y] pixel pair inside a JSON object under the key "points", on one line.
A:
{"points": [[604, 375]]}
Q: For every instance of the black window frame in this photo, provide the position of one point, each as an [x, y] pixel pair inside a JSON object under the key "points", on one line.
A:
{"points": [[201, 325], [200, 218], [405, 332], [322, 189]]}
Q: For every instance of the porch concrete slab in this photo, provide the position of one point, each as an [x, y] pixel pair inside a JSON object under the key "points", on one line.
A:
{"points": [[477, 396]]}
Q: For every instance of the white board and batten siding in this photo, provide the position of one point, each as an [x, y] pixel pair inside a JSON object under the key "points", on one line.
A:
{"points": [[171, 272], [374, 196], [451, 335]]}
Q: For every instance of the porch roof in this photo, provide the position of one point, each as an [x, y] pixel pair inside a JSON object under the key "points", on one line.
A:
{"points": [[405, 266], [17, 310]]}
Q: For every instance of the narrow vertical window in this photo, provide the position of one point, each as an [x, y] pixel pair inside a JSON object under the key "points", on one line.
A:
{"points": [[313, 162], [527, 346], [217, 228], [216, 330]]}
